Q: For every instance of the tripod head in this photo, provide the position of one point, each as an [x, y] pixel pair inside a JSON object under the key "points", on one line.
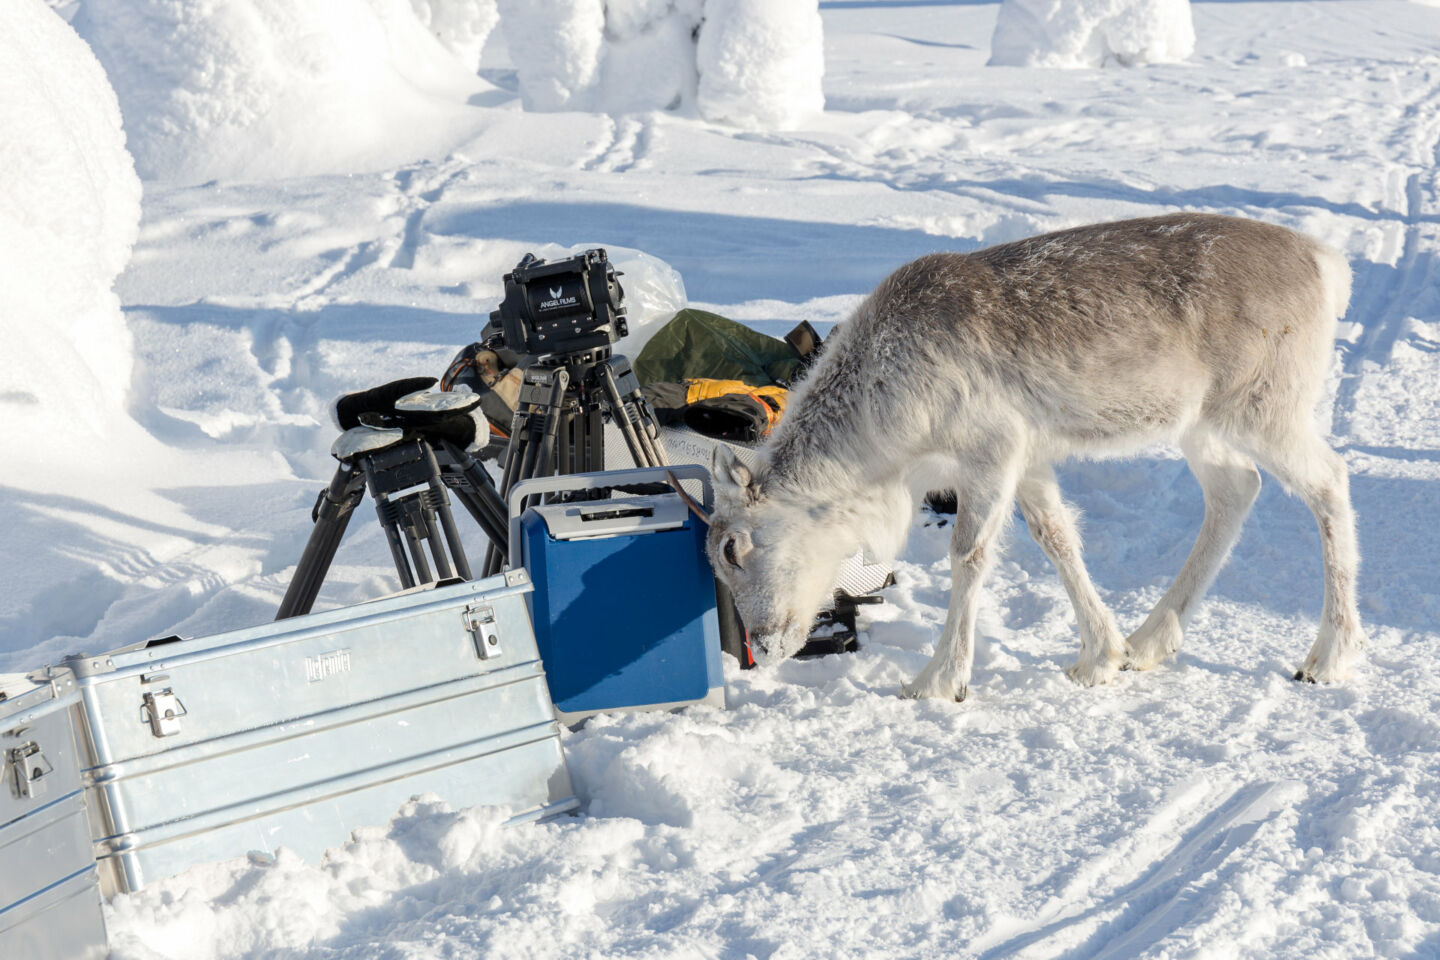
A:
{"points": [[563, 313], [562, 307]]}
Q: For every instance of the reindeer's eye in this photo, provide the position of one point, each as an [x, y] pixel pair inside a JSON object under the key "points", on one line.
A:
{"points": [[729, 552]]}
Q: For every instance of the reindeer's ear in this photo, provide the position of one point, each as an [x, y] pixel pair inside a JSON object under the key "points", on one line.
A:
{"points": [[727, 469]]}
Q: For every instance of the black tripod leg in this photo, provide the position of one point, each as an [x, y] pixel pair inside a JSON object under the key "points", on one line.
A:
{"points": [[733, 639], [554, 410], [633, 414], [621, 415], [565, 443], [390, 518], [437, 518], [514, 454], [592, 440], [480, 497], [452, 538], [397, 553], [443, 569], [332, 515]]}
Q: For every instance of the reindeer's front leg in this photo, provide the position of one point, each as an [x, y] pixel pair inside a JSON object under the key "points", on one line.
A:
{"points": [[972, 554]]}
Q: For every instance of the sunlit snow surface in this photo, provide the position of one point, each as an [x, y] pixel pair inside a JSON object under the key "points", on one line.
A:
{"points": [[1211, 808]]}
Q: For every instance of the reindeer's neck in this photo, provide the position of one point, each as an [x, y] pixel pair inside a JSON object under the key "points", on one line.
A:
{"points": [[825, 443], [801, 462], [858, 499], [824, 450], [838, 451]]}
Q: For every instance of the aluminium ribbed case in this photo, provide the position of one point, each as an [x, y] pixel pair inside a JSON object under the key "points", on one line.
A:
{"points": [[49, 891], [295, 733]]}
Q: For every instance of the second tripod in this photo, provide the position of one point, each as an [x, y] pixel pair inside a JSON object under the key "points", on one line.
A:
{"points": [[407, 471]]}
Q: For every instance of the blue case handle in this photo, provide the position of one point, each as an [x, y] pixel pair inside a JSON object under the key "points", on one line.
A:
{"points": [[605, 480]]}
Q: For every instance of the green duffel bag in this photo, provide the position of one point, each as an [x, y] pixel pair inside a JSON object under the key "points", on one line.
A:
{"points": [[697, 345]]}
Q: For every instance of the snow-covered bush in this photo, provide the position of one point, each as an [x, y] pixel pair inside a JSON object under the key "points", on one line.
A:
{"points": [[649, 55], [761, 62], [266, 88], [556, 47], [1091, 33], [462, 26], [69, 215], [752, 63]]}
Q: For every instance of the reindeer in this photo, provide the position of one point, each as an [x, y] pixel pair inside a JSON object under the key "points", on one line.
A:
{"points": [[976, 372]]}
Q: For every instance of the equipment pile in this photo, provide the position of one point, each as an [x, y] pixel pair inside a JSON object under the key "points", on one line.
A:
{"points": [[133, 765]]}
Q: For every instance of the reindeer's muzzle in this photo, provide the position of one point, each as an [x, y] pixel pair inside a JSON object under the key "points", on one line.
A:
{"points": [[776, 644]]}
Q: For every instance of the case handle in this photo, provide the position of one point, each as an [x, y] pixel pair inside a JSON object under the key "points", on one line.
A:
{"points": [[606, 480]]}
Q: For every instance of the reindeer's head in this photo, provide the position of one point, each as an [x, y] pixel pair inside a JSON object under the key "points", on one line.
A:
{"points": [[778, 554]]}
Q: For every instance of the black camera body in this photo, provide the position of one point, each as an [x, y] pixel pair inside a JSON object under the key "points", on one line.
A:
{"points": [[561, 307]]}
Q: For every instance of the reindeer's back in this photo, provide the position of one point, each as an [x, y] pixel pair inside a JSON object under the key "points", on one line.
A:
{"points": [[1102, 327]]}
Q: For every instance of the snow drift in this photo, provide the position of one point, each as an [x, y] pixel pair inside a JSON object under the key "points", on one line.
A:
{"points": [[749, 63], [272, 88], [1091, 33], [69, 215]]}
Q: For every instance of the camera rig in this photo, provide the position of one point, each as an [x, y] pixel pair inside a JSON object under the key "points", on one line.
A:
{"points": [[565, 316], [407, 446]]}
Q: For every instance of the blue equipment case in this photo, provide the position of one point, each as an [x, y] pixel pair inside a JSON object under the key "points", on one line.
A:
{"points": [[624, 602]]}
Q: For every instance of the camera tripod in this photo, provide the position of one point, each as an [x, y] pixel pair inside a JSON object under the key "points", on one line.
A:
{"points": [[408, 452], [559, 425], [407, 470]]}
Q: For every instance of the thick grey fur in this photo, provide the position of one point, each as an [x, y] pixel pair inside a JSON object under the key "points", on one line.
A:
{"points": [[976, 372]]}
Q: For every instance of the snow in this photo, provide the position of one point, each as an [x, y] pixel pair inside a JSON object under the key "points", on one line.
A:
{"points": [[1209, 808], [1091, 33], [761, 63], [69, 214], [462, 26], [746, 63], [272, 88], [557, 47]]}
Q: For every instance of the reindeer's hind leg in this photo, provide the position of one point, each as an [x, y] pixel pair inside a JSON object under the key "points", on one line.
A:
{"points": [[983, 506], [1230, 484], [1308, 467], [1052, 525]]}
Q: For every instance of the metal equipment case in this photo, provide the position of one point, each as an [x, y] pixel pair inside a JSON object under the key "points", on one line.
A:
{"points": [[49, 891], [297, 732], [624, 601]]}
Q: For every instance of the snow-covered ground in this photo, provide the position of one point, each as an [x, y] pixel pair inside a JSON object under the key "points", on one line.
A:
{"points": [[1210, 808]]}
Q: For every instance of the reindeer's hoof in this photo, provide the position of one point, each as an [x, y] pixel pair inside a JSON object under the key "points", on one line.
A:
{"points": [[1331, 660], [1093, 673], [1157, 640], [1322, 674], [932, 691]]}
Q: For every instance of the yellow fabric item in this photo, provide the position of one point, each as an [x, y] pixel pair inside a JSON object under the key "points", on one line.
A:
{"points": [[771, 398], [702, 389]]}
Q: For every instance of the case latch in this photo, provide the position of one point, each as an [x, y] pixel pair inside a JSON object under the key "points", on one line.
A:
{"points": [[480, 621], [28, 770], [163, 710]]}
